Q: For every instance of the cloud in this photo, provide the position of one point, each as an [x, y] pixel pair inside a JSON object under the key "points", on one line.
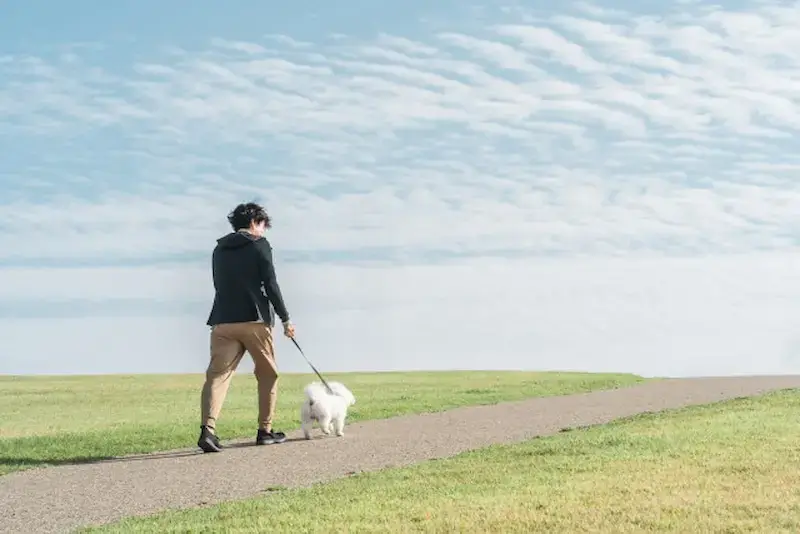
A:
{"points": [[587, 131]]}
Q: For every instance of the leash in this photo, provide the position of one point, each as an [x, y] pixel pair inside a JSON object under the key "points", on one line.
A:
{"points": [[312, 365]]}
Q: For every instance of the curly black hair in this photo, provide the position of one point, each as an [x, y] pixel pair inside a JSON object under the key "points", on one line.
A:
{"points": [[244, 214]]}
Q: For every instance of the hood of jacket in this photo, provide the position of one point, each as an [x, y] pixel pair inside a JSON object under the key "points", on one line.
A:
{"points": [[236, 240]]}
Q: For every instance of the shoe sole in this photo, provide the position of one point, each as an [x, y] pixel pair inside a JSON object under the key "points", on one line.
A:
{"points": [[270, 441], [208, 446]]}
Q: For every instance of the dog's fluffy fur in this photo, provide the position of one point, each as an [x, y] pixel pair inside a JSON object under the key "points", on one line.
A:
{"points": [[328, 410]]}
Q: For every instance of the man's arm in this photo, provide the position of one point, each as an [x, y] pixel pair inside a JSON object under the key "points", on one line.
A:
{"points": [[267, 269]]}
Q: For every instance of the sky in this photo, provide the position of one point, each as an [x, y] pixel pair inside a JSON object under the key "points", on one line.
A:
{"points": [[454, 185]]}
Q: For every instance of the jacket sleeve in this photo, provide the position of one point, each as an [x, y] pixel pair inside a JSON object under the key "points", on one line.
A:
{"points": [[266, 268]]}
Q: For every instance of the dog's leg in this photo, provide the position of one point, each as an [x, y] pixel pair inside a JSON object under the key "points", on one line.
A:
{"points": [[338, 426], [325, 424], [306, 422]]}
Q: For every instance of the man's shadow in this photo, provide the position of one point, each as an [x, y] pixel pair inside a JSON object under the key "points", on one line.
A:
{"points": [[19, 461], [186, 453]]}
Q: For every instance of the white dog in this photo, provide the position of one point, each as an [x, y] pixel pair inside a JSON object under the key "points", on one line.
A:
{"points": [[328, 410]]}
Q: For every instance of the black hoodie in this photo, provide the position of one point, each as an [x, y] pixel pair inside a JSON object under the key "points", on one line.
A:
{"points": [[244, 281]]}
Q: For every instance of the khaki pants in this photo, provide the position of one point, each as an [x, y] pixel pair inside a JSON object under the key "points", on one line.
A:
{"points": [[228, 344]]}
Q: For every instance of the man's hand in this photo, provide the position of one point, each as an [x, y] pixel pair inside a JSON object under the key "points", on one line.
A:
{"points": [[288, 329]]}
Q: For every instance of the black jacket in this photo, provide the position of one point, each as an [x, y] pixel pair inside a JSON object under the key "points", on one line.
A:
{"points": [[244, 281]]}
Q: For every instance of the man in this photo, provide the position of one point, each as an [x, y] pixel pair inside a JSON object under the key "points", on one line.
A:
{"points": [[241, 319]]}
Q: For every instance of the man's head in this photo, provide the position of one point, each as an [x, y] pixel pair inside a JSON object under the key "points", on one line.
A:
{"points": [[250, 217]]}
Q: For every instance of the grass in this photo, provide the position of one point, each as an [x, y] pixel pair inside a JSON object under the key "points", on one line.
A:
{"points": [[731, 467], [57, 420]]}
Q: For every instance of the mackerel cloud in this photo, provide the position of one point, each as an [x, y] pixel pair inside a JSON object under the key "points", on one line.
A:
{"points": [[588, 131]]}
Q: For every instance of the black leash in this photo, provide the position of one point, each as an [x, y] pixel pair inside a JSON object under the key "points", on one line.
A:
{"points": [[312, 365]]}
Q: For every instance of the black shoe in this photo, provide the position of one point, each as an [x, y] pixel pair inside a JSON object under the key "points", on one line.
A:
{"points": [[208, 441], [268, 438]]}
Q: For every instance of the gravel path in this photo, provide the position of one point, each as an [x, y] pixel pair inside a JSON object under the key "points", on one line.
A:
{"points": [[60, 499]]}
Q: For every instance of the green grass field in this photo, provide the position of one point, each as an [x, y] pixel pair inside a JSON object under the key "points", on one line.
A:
{"points": [[56, 420], [731, 467]]}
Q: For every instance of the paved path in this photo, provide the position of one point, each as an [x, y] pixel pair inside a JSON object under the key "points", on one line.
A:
{"points": [[60, 499]]}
